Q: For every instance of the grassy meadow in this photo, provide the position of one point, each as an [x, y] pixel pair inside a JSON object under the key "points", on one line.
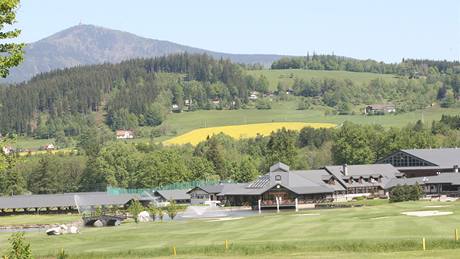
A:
{"points": [[379, 231], [286, 112]]}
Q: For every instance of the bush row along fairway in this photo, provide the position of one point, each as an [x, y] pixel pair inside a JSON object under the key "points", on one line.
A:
{"points": [[241, 131]]}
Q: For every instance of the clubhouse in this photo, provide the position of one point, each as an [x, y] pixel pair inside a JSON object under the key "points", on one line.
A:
{"points": [[436, 170], [282, 187]]}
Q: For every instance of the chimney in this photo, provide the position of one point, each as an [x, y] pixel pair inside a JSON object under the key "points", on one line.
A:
{"points": [[345, 169], [456, 168]]}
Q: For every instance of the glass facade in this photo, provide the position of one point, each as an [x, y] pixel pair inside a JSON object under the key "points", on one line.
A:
{"points": [[401, 159]]}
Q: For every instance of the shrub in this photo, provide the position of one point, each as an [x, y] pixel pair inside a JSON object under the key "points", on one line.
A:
{"points": [[406, 193], [62, 254], [19, 249], [263, 105]]}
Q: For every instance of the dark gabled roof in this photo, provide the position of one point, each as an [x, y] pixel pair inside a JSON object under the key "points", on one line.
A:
{"points": [[217, 188], [64, 200], [173, 194], [300, 182], [442, 178], [443, 157], [210, 189], [318, 176], [262, 181], [387, 171], [279, 167]]}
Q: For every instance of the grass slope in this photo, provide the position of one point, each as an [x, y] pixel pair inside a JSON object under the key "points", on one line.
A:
{"points": [[377, 231], [288, 75]]}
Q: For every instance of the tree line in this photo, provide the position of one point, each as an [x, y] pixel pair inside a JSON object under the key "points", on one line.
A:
{"points": [[407, 67]]}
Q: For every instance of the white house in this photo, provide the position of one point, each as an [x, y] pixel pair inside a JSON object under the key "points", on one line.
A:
{"points": [[124, 134]]}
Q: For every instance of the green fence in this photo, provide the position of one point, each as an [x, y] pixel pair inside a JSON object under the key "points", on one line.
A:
{"points": [[175, 186]]}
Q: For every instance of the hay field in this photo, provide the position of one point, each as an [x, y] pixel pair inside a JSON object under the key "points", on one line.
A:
{"points": [[241, 131]]}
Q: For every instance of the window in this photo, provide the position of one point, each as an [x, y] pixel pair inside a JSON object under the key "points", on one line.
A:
{"points": [[277, 177]]}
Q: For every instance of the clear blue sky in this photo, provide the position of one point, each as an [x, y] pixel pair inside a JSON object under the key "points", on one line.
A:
{"points": [[386, 30]]}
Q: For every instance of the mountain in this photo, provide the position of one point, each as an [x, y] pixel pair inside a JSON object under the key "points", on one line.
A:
{"points": [[89, 44]]}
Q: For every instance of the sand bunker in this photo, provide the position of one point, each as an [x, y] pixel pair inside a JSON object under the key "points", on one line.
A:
{"points": [[385, 217], [427, 213], [307, 214], [437, 206], [224, 219]]}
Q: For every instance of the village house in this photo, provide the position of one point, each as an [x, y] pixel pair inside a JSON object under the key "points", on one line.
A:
{"points": [[7, 150], [254, 95], [175, 108], [379, 109], [124, 134], [49, 147]]}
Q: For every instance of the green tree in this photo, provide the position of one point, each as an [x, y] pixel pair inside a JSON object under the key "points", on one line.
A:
{"points": [[155, 114], [153, 211], [281, 147], [46, 179], [119, 163], [201, 168], [161, 213], [134, 209], [246, 170], [11, 54], [19, 248], [353, 145], [12, 182], [172, 209], [262, 84], [163, 167]]}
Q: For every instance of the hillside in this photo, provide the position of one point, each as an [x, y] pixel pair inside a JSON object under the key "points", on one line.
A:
{"points": [[89, 44], [288, 76], [147, 92]]}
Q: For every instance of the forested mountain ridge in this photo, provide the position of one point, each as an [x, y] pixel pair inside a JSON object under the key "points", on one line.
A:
{"points": [[89, 44], [140, 92]]}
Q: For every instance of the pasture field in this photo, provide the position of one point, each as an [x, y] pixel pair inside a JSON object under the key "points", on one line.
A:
{"points": [[275, 76], [30, 143], [241, 131], [287, 112], [379, 231]]}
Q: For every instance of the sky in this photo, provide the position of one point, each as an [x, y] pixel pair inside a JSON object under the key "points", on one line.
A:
{"points": [[384, 30]]}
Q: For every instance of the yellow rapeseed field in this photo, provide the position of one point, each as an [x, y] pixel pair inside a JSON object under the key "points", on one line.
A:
{"points": [[241, 131]]}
